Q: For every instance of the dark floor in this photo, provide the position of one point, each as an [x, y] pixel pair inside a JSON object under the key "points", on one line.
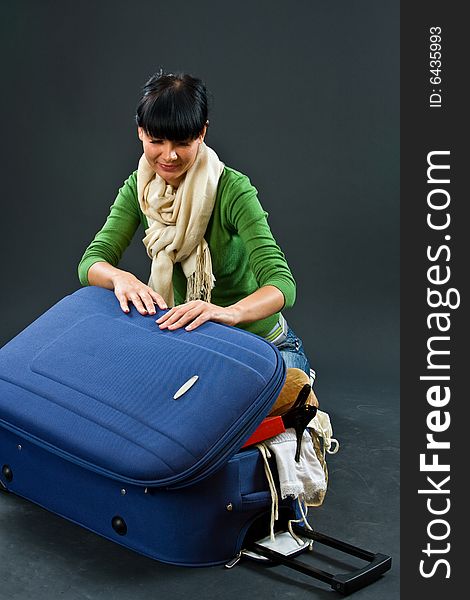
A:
{"points": [[43, 557]]}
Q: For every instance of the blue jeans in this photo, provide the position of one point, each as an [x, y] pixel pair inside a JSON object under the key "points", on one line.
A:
{"points": [[292, 351]]}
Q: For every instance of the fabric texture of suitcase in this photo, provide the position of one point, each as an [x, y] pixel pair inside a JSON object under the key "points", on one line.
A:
{"points": [[92, 426]]}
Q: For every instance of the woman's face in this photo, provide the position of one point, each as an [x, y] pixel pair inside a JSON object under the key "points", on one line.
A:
{"points": [[170, 159]]}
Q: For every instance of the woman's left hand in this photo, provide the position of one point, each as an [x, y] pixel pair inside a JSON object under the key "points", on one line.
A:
{"points": [[192, 314]]}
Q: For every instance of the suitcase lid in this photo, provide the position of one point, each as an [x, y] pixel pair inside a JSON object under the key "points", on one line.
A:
{"points": [[117, 395]]}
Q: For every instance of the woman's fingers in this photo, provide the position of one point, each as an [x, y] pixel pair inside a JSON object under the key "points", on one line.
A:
{"points": [[189, 315], [158, 300], [145, 301], [193, 314], [123, 302], [177, 316], [199, 321], [138, 303], [129, 289], [149, 298]]}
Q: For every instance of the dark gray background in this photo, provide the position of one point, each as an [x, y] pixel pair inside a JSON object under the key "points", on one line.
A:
{"points": [[306, 102]]}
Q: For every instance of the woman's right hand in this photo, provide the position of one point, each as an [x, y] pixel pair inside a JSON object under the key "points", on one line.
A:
{"points": [[127, 288]]}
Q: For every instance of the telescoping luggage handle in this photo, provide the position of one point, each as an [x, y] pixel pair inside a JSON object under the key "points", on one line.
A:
{"points": [[345, 583]]}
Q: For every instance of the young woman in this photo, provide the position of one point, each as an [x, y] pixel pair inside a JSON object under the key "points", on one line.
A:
{"points": [[213, 256]]}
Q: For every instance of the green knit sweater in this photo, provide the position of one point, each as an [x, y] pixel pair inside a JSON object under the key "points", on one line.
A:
{"points": [[244, 253]]}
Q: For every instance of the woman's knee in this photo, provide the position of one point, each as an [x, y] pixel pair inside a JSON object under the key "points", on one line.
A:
{"points": [[295, 360], [293, 354]]}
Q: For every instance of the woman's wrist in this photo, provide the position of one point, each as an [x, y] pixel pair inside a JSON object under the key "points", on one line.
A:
{"points": [[104, 275], [118, 274], [237, 314], [262, 303]]}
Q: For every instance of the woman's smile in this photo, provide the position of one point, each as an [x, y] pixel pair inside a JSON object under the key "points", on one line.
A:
{"points": [[170, 159]]}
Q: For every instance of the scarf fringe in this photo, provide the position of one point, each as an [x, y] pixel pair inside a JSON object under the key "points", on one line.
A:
{"points": [[201, 282]]}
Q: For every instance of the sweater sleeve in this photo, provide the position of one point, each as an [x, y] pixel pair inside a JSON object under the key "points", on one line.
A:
{"points": [[116, 234], [265, 257]]}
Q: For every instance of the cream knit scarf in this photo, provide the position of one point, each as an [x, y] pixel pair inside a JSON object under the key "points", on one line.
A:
{"points": [[177, 222]]}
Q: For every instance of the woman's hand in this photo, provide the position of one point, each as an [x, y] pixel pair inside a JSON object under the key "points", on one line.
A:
{"points": [[260, 304], [192, 314], [127, 288]]}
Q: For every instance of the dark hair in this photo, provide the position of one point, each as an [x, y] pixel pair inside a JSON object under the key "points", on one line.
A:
{"points": [[173, 107]]}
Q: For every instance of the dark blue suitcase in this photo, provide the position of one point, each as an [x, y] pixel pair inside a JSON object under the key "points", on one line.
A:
{"points": [[129, 430], [134, 433]]}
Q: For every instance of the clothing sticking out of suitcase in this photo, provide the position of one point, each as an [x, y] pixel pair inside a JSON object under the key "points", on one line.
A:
{"points": [[135, 432]]}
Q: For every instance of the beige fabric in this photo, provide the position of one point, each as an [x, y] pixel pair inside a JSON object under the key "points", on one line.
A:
{"points": [[295, 380], [323, 441], [177, 222]]}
